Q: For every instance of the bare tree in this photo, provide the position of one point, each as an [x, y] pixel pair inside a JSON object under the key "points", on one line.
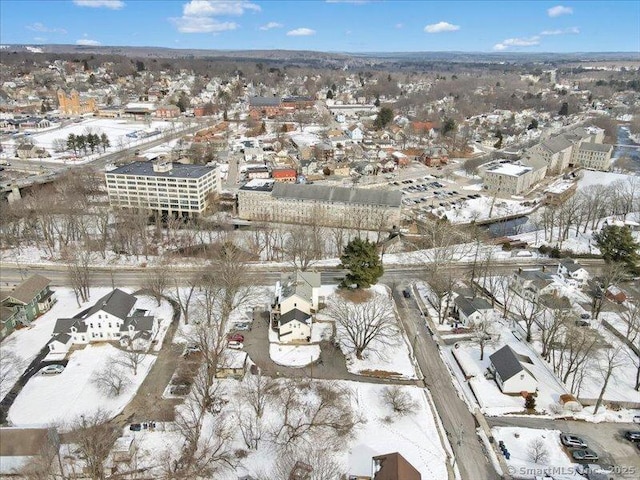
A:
{"points": [[156, 281], [130, 358], [321, 460], [255, 391], [611, 274], [483, 333], [440, 282], [94, 435], [609, 361], [529, 311], [631, 318], [360, 324], [399, 400], [111, 381], [538, 452], [11, 364], [182, 295], [78, 268], [304, 245]]}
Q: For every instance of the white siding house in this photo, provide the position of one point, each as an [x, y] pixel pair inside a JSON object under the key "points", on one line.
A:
{"points": [[510, 374]]}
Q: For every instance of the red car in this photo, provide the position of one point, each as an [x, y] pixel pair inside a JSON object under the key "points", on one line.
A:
{"points": [[235, 337]]}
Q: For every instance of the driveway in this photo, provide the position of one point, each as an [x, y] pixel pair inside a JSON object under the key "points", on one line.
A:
{"points": [[603, 438], [458, 422], [330, 366]]}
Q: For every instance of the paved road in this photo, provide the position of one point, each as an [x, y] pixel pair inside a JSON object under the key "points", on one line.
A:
{"points": [[123, 276], [604, 438], [456, 418]]}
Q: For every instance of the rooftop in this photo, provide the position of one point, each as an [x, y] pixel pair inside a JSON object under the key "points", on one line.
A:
{"points": [[259, 185], [510, 169], [595, 147], [178, 170], [338, 194]]}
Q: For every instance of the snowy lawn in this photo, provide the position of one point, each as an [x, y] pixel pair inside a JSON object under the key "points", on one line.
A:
{"points": [[388, 358], [294, 355], [519, 443], [72, 393], [27, 342]]}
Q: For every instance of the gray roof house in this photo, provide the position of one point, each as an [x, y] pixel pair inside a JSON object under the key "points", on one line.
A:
{"points": [[470, 310], [111, 318], [510, 373]]}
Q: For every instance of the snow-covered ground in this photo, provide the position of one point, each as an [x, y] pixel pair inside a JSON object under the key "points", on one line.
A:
{"points": [[483, 208], [519, 442], [162, 313], [121, 134], [492, 401], [294, 355], [590, 177], [72, 393], [416, 435], [27, 342]]}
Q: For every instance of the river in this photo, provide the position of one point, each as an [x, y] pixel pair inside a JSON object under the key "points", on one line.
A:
{"points": [[626, 158]]}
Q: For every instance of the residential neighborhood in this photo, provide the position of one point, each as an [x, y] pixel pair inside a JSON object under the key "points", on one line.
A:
{"points": [[247, 241]]}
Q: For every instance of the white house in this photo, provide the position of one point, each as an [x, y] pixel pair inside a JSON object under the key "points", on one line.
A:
{"points": [[530, 284], [471, 310], [111, 318], [571, 269], [296, 298], [355, 133], [294, 326], [509, 372]]}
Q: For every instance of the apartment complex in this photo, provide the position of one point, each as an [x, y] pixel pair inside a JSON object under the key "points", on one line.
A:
{"points": [[72, 104], [164, 187], [509, 178], [266, 200]]}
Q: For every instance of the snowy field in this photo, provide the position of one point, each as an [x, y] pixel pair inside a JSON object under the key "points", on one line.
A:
{"points": [[380, 431], [294, 355], [121, 134], [72, 392], [518, 442], [27, 342], [590, 177], [483, 208]]}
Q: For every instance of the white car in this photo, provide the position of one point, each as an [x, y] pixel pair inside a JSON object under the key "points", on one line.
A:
{"points": [[52, 369], [232, 344]]}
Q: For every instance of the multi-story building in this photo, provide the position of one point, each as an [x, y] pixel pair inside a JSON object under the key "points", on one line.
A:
{"points": [[72, 104], [164, 187], [556, 152], [320, 204], [513, 179], [594, 156]]}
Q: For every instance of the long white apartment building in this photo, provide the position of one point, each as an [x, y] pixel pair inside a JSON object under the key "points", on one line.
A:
{"points": [[164, 187], [508, 178]]}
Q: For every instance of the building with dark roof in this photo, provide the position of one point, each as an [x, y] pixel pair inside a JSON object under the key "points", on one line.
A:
{"points": [[368, 209], [23, 304], [168, 188], [112, 317], [510, 372]]}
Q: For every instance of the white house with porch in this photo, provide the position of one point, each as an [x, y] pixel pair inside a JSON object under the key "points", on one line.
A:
{"points": [[569, 268], [297, 296]]}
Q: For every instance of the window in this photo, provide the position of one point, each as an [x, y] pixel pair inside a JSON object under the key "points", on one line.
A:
{"points": [[109, 324]]}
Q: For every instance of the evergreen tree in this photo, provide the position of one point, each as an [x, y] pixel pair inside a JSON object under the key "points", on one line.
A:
{"points": [[564, 110], [361, 258], [618, 245], [385, 115], [498, 144], [225, 115], [533, 125], [104, 141], [72, 143], [449, 125], [377, 102], [330, 95], [183, 102]]}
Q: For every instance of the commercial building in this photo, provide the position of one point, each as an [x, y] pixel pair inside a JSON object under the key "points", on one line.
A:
{"points": [[593, 156], [320, 205], [72, 104], [512, 178], [164, 187]]}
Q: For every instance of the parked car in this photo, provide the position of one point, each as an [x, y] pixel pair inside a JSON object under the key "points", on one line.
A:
{"points": [[135, 427], [244, 326], [189, 349], [582, 323], [236, 337], [232, 344], [572, 441], [406, 293], [632, 435], [585, 454], [52, 369]]}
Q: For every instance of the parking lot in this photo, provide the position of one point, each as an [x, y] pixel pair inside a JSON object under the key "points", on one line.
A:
{"points": [[428, 192]]}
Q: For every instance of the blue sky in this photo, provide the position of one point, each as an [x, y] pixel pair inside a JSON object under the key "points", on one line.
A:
{"points": [[332, 25]]}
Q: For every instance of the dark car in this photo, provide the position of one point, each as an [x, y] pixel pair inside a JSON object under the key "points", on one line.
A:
{"points": [[585, 454], [135, 427], [632, 435], [406, 294]]}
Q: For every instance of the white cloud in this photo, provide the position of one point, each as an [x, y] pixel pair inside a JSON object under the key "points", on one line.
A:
{"points": [[87, 42], [517, 42], [441, 27], [301, 32], [563, 31], [271, 25], [211, 8], [202, 25], [40, 39], [111, 4], [559, 10], [39, 27], [399, 25]]}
